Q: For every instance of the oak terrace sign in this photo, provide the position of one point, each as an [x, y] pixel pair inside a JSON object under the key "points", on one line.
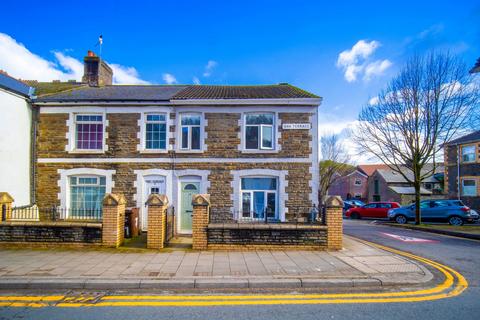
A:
{"points": [[296, 126]]}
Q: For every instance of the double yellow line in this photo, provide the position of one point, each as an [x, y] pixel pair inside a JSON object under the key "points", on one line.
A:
{"points": [[453, 285]]}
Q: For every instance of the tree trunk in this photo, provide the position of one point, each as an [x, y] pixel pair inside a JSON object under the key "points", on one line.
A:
{"points": [[417, 201]]}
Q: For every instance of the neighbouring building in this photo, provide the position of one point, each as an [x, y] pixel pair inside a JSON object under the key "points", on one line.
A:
{"points": [[476, 67], [16, 130], [462, 173], [388, 185], [252, 148], [353, 185]]}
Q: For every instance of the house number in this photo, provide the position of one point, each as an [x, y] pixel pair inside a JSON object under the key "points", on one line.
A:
{"points": [[296, 126]]}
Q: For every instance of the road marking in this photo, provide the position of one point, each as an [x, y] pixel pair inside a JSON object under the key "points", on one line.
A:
{"points": [[407, 238], [453, 285]]}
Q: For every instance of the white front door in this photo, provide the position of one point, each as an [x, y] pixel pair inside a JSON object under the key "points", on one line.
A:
{"points": [[153, 184]]}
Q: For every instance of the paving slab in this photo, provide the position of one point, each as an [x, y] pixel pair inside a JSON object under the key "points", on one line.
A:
{"points": [[357, 264]]}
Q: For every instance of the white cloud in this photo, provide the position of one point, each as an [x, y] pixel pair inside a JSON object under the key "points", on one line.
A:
{"points": [[374, 101], [125, 75], [209, 68], [376, 68], [21, 63], [196, 80], [169, 78], [356, 61]]}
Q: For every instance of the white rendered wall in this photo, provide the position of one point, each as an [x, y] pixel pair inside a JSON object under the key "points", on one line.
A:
{"points": [[15, 128]]}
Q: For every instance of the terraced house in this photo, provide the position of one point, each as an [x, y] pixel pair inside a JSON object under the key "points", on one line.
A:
{"points": [[252, 148]]}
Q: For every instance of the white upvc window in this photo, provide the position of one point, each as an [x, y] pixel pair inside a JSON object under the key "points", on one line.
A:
{"points": [[468, 154], [86, 196], [89, 132], [156, 131], [469, 187], [358, 182], [191, 131], [259, 198], [259, 133]]}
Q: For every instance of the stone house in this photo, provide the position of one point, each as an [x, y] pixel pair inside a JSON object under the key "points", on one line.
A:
{"points": [[252, 148], [463, 173], [353, 185], [16, 159], [388, 185]]}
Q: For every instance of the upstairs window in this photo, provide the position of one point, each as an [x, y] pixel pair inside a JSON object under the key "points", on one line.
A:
{"points": [[89, 132], [156, 132], [259, 132], [358, 182], [190, 131], [468, 154]]}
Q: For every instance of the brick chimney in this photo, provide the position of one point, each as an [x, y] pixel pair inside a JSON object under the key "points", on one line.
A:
{"points": [[96, 72]]}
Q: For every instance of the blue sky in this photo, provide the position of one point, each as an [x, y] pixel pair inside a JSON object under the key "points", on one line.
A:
{"points": [[242, 42]]}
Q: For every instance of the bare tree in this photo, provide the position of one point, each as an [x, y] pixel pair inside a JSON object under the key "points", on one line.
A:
{"points": [[428, 103], [334, 163]]}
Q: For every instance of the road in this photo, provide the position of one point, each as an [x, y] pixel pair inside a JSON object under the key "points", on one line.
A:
{"points": [[462, 255]]}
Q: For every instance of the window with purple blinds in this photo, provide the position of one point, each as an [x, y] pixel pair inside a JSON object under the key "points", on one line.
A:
{"points": [[89, 132]]}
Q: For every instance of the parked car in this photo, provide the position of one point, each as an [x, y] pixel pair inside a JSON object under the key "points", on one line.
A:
{"points": [[347, 204], [451, 211], [377, 210]]}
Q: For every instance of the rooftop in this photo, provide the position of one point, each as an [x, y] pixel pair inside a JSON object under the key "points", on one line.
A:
{"points": [[472, 137], [369, 169], [14, 85], [75, 91], [392, 176]]}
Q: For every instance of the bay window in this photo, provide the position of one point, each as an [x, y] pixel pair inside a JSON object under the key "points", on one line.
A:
{"points": [[259, 131], [86, 196], [155, 132], [190, 131], [89, 132], [259, 198]]}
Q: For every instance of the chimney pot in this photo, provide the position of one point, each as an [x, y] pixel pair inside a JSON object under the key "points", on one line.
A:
{"points": [[90, 53]]}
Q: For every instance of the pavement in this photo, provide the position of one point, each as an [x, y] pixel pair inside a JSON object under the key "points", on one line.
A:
{"points": [[357, 265]]}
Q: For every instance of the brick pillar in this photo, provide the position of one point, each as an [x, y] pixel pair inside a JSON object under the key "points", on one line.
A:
{"points": [[157, 220], [113, 220], [201, 209], [334, 205], [6, 201]]}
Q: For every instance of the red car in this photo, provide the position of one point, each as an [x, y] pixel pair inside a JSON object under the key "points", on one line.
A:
{"points": [[376, 210]]}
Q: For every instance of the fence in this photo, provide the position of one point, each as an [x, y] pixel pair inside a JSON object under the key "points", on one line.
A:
{"points": [[302, 216], [33, 213]]}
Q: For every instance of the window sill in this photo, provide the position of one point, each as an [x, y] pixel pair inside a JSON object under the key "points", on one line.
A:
{"points": [[147, 151], [189, 151], [258, 151], [87, 152]]}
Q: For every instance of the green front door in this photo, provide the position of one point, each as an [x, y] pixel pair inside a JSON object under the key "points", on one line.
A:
{"points": [[186, 209]]}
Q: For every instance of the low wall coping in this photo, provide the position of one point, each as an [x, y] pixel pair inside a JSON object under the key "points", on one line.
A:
{"points": [[265, 226], [50, 224]]}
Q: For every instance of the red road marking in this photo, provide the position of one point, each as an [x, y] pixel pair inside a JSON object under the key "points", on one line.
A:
{"points": [[406, 239]]}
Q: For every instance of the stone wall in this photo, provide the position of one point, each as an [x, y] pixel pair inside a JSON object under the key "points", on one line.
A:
{"points": [[220, 178], [222, 132], [230, 236], [53, 232]]}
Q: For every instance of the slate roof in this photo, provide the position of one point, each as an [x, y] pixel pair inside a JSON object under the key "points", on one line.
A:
{"points": [[472, 137], [279, 91], [391, 176], [14, 85], [80, 92], [476, 67], [410, 190], [115, 93]]}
